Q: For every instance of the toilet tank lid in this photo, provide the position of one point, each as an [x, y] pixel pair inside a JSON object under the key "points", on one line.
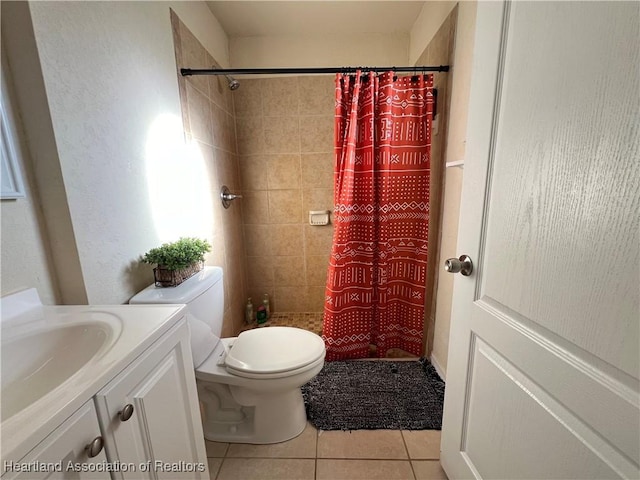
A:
{"points": [[183, 293]]}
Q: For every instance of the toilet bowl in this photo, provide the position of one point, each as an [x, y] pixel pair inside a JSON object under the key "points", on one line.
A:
{"points": [[249, 385]]}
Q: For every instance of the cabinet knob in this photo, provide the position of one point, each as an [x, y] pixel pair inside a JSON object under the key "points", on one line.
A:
{"points": [[95, 447], [126, 412]]}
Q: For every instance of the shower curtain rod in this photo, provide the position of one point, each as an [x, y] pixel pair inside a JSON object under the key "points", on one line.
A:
{"points": [[276, 71]]}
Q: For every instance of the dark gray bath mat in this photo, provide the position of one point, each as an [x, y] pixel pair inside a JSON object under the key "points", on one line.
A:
{"points": [[357, 395]]}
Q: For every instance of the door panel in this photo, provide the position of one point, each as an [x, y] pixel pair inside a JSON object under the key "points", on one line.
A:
{"points": [[560, 237], [544, 346], [506, 400]]}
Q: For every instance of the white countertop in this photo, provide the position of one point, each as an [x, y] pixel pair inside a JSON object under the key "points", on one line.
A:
{"points": [[135, 328]]}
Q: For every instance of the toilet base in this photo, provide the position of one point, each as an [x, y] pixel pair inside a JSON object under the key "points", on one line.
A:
{"points": [[238, 415]]}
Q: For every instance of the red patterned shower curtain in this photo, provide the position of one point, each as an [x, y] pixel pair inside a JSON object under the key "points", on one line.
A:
{"points": [[377, 269]]}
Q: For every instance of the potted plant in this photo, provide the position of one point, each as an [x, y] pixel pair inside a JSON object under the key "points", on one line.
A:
{"points": [[177, 261]]}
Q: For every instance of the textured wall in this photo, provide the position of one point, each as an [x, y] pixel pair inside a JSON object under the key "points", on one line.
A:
{"points": [[439, 51], [209, 123], [24, 257], [285, 142], [319, 50], [47, 184], [431, 18], [460, 21], [111, 104]]}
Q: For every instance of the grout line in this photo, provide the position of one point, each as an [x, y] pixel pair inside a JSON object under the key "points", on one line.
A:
{"points": [[404, 441], [317, 446]]}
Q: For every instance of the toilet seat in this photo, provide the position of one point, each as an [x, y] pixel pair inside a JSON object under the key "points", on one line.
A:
{"points": [[273, 350], [265, 353]]}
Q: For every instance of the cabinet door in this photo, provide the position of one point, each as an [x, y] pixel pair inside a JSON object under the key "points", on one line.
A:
{"points": [[164, 436], [62, 454]]}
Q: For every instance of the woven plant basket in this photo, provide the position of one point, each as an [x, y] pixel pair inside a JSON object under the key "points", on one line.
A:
{"points": [[173, 278]]}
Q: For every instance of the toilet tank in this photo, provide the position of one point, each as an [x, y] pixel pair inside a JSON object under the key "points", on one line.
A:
{"points": [[204, 296]]}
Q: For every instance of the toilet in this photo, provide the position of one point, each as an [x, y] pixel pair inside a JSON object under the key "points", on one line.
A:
{"points": [[249, 385]]}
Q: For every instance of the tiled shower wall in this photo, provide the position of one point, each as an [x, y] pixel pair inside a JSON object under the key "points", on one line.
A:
{"points": [[284, 130], [207, 113]]}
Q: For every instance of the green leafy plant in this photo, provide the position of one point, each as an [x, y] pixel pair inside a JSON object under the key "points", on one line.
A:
{"points": [[177, 255]]}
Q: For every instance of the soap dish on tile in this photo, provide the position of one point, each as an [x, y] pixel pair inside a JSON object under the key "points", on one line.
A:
{"points": [[319, 217]]}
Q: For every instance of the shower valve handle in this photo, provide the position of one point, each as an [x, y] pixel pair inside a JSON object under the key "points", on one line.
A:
{"points": [[226, 196], [464, 265]]}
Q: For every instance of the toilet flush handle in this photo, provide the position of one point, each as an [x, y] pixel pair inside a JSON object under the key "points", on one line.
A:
{"points": [[226, 196]]}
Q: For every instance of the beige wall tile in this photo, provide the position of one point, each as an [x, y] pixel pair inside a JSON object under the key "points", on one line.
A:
{"points": [[219, 91], [247, 100], [317, 199], [315, 299], [254, 172], [316, 95], [303, 446], [208, 121], [199, 115], [230, 131], [218, 85], [286, 240], [257, 240], [193, 53], [422, 444], [317, 270], [294, 184], [255, 207], [364, 470], [317, 170], [288, 271], [250, 135], [285, 206], [280, 96], [228, 329], [284, 171], [267, 469], [428, 470], [290, 299], [318, 240], [227, 171], [316, 134], [281, 135], [260, 272], [362, 444], [228, 95]]}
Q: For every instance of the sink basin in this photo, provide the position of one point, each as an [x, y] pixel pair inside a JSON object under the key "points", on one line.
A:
{"points": [[56, 358], [41, 357]]}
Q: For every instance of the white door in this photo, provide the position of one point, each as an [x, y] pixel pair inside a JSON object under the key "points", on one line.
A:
{"points": [[544, 348]]}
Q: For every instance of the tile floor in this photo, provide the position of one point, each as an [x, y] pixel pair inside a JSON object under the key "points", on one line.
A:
{"points": [[332, 455]]}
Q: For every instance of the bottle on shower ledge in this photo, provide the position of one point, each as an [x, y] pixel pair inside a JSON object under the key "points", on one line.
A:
{"points": [[265, 304], [261, 316], [248, 312]]}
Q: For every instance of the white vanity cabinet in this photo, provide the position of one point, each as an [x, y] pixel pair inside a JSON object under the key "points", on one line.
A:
{"points": [[140, 419], [150, 415], [64, 453]]}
